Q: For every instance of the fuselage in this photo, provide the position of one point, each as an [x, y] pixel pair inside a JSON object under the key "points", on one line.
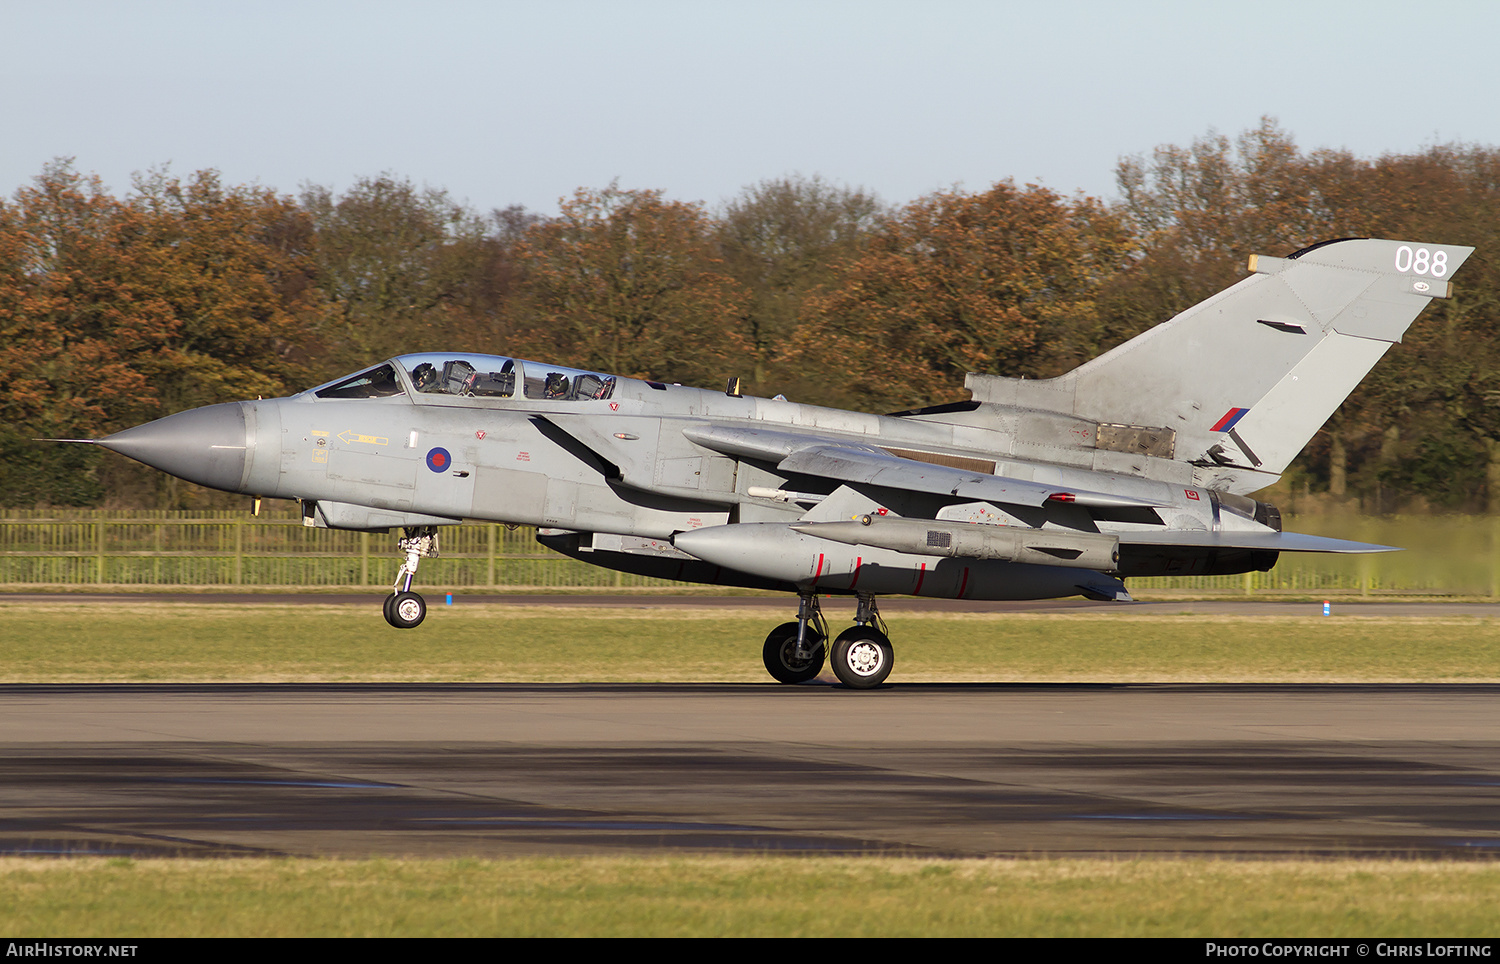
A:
{"points": [[606, 469]]}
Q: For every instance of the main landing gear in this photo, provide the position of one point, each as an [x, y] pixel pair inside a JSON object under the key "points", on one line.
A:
{"points": [[794, 652], [405, 609], [862, 655]]}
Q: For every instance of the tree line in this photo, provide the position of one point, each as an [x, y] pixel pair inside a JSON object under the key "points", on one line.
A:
{"points": [[188, 291]]}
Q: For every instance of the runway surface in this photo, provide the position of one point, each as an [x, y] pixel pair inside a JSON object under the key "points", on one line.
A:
{"points": [[956, 770]]}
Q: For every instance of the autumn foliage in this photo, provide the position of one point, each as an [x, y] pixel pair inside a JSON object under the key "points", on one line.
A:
{"points": [[630, 283], [184, 292], [992, 282], [116, 311]]}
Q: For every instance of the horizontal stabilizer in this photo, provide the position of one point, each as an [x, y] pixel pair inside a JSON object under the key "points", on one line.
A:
{"points": [[1272, 541]]}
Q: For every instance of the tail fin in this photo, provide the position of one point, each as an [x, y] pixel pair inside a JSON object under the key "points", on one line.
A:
{"points": [[1245, 378]]}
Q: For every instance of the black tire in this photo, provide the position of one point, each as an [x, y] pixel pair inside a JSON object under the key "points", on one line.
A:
{"points": [[406, 610], [385, 607], [781, 659], [862, 657]]}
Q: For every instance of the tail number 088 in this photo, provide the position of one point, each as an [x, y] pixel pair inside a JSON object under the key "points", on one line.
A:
{"points": [[1421, 261]]}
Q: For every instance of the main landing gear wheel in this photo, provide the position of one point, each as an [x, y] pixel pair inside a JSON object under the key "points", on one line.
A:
{"points": [[780, 654], [405, 610], [862, 657]]}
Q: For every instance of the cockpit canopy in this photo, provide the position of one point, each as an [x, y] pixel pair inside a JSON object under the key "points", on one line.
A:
{"points": [[471, 376]]}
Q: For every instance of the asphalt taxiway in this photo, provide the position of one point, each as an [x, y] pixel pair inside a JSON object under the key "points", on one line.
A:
{"points": [[922, 769], [1246, 606]]}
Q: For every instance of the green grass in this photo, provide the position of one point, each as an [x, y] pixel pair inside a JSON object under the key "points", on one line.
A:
{"points": [[173, 642], [771, 896]]}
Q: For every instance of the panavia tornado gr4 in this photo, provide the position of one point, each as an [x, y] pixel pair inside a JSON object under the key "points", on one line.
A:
{"points": [[1139, 463]]}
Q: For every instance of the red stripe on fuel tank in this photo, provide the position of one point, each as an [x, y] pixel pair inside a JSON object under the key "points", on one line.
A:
{"points": [[858, 561], [963, 587], [921, 577]]}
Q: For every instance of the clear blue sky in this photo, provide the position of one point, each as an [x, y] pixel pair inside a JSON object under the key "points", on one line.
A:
{"points": [[507, 102]]}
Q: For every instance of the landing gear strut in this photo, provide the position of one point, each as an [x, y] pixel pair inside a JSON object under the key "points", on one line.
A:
{"points": [[794, 652], [405, 609], [862, 655]]}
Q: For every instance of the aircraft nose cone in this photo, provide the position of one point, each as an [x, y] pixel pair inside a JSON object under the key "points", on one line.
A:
{"points": [[203, 445]]}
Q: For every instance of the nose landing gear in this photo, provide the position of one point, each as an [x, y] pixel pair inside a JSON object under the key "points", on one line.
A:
{"points": [[405, 609]]}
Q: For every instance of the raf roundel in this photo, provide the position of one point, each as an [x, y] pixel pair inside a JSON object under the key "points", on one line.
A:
{"points": [[438, 460]]}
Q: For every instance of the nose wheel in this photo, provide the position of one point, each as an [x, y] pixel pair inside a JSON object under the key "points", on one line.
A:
{"points": [[405, 609]]}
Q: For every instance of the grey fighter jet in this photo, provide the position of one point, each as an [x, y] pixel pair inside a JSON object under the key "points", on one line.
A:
{"points": [[1139, 463]]}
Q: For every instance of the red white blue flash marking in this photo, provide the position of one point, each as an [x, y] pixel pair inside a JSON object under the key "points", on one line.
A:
{"points": [[1230, 420]]}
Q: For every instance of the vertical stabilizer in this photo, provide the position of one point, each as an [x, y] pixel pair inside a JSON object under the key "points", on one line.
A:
{"points": [[1245, 378]]}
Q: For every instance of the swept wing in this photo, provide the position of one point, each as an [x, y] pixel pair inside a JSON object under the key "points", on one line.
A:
{"points": [[847, 461]]}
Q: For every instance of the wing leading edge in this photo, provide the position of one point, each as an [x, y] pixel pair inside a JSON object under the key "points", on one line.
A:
{"points": [[846, 461]]}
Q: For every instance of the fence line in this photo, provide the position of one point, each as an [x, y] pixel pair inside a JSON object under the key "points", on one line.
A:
{"points": [[155, 548], [1447, 555]]}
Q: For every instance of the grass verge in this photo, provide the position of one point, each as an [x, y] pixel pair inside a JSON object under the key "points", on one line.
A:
{"points": [[190, 642], [741, 896]]}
